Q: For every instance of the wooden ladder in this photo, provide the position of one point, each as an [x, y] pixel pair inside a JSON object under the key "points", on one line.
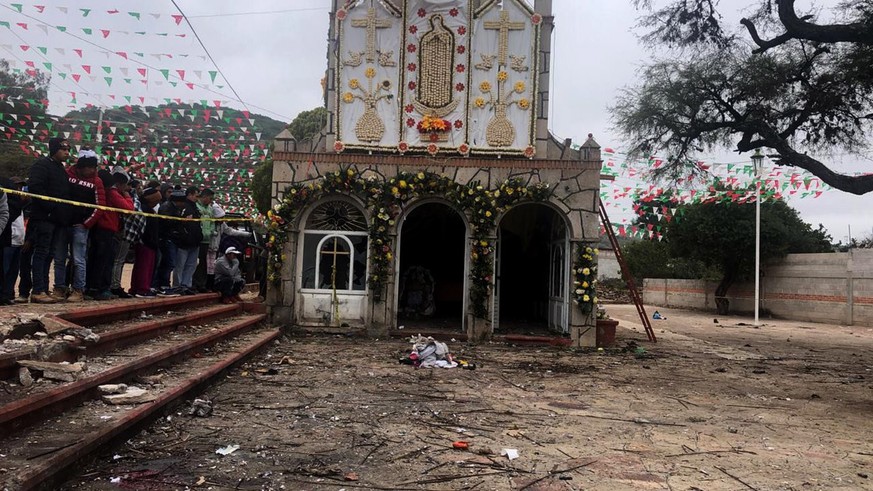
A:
{"points": [[626, 275]]}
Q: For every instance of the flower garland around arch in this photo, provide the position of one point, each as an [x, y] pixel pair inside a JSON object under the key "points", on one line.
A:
{"points": [[386, 200], [585, 282]]}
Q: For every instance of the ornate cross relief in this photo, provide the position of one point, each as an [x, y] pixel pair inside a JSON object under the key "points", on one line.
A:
{"points": [[503, 26], [435, 96], [500, 131], [371, 24], [365, 55]]}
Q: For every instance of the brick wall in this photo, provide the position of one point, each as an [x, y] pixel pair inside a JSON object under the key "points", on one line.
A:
{"points": [[834, 288]]}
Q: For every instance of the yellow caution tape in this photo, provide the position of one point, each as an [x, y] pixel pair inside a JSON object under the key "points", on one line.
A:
{"points": [[120, 210]]}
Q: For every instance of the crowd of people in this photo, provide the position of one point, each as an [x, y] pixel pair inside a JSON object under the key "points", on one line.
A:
{"points": [[89, 246]]}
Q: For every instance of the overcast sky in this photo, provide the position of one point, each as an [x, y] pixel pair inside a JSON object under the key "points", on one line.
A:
{"points": [[275, 63]]}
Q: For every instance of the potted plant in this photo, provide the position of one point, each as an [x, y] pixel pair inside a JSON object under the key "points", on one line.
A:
{"points": [[605, 329]]}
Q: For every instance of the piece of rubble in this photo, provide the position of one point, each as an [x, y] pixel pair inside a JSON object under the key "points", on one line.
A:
{"points": [[85, 334], [63, 372], [133, 395], [54, 324], [112, 389], [23, 330], [67, 337], [150, 379], [51, 350], [24, 377], [63, 366], [201, 408], [227, 450]]}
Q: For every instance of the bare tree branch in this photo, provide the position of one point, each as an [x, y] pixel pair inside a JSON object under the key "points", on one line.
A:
{"points": [[800, 28]]}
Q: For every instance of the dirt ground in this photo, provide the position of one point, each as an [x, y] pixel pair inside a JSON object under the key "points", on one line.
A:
{"points": [[716, 404]]}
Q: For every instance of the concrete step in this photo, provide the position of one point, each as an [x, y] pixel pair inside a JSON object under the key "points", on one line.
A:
{"points": [[39, 456], [124, 365]]}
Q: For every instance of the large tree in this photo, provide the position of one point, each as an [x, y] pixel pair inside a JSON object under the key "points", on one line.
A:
{"points": [[721, 235], [793, 83]]}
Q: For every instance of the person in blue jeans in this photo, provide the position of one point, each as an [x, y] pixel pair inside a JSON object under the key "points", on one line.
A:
{"points": [[85, 187], [183, 237], [48, 177]]}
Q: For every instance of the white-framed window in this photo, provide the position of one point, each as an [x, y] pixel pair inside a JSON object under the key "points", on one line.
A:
{"points": [[335, 243]]}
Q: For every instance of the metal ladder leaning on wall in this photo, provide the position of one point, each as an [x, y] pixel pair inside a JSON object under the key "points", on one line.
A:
{"points": [[626, 275]]}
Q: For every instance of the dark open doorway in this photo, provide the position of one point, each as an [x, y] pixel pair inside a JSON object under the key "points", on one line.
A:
{"points": [[431, 282], [532, 271]]}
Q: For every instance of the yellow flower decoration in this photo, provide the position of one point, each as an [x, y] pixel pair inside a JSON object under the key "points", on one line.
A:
{"points": [[479, 102], [485, 86], [348, 97], [523, 103], [519, 87], [354, 83], [370, 72], [502, 76]]}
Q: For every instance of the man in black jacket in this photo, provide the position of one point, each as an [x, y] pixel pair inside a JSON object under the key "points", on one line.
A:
{"points": [[183, 237], [47, 218]]}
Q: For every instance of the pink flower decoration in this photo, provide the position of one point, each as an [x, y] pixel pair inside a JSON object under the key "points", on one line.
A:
{"points": [[409, 108], [536, 19], [411, 85], [411, 48], [453, 12], [413, 29], [410, 122], [459, 124], [432, 149], [462, 30], [461, 49], [411, 67], [464, 149], [338, 146], [341, 14], [459, 87], [460, 68], [402, 147], [422, 12]]}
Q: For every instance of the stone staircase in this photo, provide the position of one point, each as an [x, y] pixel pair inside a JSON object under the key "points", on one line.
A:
{"points": [[54, 410]]}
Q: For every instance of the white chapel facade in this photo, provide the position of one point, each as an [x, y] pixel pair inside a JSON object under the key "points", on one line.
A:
{"points": [[435, 198]]}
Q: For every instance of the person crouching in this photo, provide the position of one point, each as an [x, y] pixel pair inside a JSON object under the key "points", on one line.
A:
{"points": [[228, 280]]}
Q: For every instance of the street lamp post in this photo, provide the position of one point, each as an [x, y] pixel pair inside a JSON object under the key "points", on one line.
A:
{"points": [[758, 160]]}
